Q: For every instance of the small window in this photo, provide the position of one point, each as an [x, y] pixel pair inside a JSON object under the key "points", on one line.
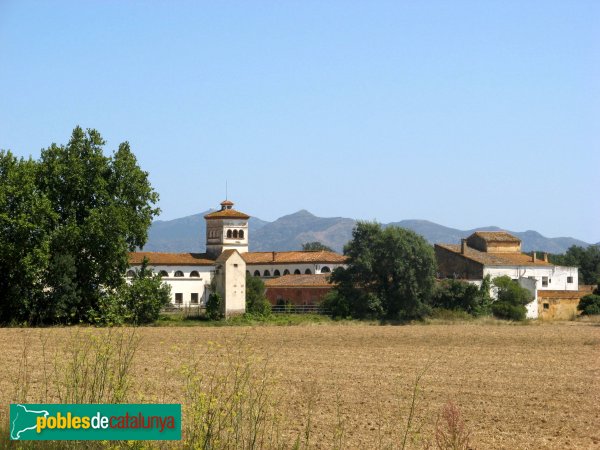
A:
{"points": [[194, 273], [235, 234], [130, 274], [163, 273], [241, 234], [286, 272], [179, 273], [178, 298], [277, 273], [307, 272], [229, 234], [235, 265], [569, 279], [325, 269], [266, 273], [297, 272], [544, 281], [546, 305], [194, 298], [257, 273]]}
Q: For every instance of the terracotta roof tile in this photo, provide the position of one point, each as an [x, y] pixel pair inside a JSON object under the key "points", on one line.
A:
{"points": [[293, 257], [315, 280], [550, 294], [176, 259], [497, 236], [226, 214], [495, 259]]}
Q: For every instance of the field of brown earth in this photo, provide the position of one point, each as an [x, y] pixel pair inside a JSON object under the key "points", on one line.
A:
{"points": [[351, 386]]}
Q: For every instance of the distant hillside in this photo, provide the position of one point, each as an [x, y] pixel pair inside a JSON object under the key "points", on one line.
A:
{"points": [[187, 234], [290, 232]]}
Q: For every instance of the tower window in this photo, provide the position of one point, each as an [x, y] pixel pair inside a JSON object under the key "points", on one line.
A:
{"points": [[229, 234], [235, 234], [241, 234], [569, 279]]}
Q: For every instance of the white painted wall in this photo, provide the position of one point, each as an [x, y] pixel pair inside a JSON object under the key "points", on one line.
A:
{"points": [[557, 275], [314, 268], [187, 285], [231, 284]]}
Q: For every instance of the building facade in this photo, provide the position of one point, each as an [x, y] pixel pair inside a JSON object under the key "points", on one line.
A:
{"points": [[223, 268], [499, 253]]}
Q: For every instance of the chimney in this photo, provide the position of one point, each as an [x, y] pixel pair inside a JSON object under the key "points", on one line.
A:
{"points": [[273, 256], [546, 257], [533, 256], [463, 246]]}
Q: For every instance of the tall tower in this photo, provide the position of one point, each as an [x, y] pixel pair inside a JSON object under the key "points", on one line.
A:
{"points": [[226, 229]]}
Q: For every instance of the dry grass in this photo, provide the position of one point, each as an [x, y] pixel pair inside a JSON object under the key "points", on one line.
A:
{"points": [[351, 386]]}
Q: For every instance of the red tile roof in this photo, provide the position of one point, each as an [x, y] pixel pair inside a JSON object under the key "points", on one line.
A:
{"points": [[226, 214], [315, 280], [495, 259], [175, 259], [320, 257]]}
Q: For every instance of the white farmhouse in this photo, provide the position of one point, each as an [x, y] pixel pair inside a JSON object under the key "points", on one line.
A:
{"points": [[499, 253], [227, 261]]}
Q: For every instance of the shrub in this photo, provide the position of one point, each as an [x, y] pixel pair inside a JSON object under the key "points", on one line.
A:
{"points": [[512, 299], [214, 307], [589, 305], [462, 296], [256, 301]]}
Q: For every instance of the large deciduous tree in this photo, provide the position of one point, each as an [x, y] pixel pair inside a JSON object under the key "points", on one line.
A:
{"points": [[84, 211], [390, 274]]}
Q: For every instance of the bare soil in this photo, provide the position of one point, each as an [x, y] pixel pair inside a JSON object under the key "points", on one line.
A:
{"points": [[517, 386]]}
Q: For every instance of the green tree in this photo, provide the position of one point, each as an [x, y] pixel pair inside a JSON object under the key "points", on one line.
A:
{"points": [[256, 300], [26, 220], [214, 307], [315, 247], [511, 300], [587, 259], [145, 296], [464, 296], [590, 304], [390, 274], [104, 207]]}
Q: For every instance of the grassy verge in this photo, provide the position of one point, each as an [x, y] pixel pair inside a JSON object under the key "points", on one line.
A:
{"points": [[179, 320]]}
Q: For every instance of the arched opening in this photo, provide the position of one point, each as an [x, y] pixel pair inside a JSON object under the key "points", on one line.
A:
{"points": [[297, 272], [229, 234], [179, 273], [266, 273], [194, 273], [247, 273], [276, 273], [257, 273], [163, 273], [307, 272], [286, 272], [241, 234], [130, 274], [235, 234], [325, 269]]}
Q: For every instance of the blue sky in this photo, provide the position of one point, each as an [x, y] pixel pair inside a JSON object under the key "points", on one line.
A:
{"points": [[465, 113]]}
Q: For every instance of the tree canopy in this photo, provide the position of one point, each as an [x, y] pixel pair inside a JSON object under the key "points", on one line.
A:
{"points": [[587, 259], [511, 300], [390, 274], [68, 222], [315, 247]]}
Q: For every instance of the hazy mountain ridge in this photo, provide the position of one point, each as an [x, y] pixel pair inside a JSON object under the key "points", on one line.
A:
{"points": [[289, 232]]}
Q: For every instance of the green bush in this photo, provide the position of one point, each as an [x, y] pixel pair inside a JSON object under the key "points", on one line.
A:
{"points": [[460, 295], [503, 310], [256, 301], [512, 299], [589, 305], [214, 307]]}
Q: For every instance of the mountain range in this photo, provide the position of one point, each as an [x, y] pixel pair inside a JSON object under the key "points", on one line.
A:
{"points": [[187, 234]]}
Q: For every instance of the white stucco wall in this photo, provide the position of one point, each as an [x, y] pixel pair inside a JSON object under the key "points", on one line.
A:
{"points": [[557, 275], [187, 285], [292, 267], [231, 283]]}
